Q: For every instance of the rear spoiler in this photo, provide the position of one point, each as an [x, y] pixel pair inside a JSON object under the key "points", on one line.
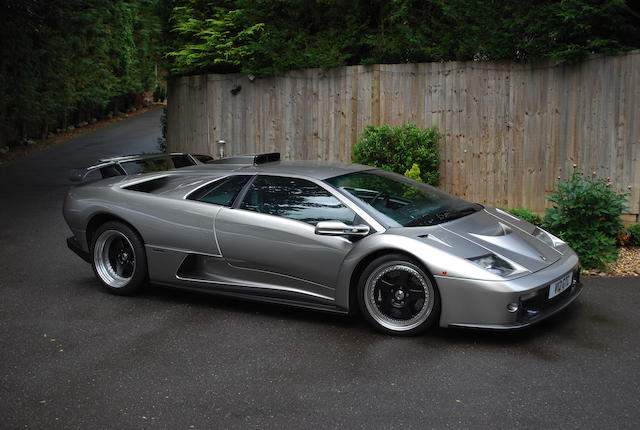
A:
{"points": [[139, 163], [144, 163], [255, 159]]}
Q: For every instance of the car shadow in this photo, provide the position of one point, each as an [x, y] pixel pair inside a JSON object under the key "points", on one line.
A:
{"points": [[508, 337], [566, 322], [356, 322], [203, 299]]}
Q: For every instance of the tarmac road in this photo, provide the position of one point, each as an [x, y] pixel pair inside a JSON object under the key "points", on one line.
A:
{"points": [[73, 356]]}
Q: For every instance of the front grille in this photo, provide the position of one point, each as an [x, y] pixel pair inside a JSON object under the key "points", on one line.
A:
{"points": [[538, 303]]}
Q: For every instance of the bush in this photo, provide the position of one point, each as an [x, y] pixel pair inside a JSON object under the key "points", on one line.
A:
{"points": [[634, 235], [398, 149], [527, 215], [586, 214]]}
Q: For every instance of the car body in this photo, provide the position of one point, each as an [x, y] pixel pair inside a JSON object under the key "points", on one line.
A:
{"points": [[323, 236]]}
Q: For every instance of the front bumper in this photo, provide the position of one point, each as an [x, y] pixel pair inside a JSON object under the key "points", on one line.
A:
{"points": [[73, 245], [484, 304], [525, 319]]}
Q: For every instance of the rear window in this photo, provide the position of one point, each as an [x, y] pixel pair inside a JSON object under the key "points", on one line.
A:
{"points": [[150, 165]]}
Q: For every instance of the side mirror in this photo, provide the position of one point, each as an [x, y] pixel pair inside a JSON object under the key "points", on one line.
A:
{"points": [[338, 228]]}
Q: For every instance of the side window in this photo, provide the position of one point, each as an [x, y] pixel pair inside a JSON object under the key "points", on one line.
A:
{"points": [[221, 192], [296, 199], [181, 160], [110, 171]]}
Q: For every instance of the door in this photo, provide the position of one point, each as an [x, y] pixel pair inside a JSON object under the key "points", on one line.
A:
{"points": [[271, 231]]}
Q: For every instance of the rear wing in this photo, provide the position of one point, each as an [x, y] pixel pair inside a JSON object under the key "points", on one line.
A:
{"points": [[140, 163], [253, 159]]}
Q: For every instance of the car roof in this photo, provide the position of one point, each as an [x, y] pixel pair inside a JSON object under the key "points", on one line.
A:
{"points": [[315, 169]]}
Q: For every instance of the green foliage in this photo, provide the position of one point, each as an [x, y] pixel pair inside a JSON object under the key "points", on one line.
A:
{"points": [[214, 34], [159, 93], [527, 215], [265, 37], [398, 149], [634, 235], [65, 61], [413, 173], [586, 214]]}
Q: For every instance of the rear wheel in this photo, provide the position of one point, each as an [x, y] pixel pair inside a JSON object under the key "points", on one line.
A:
{"points": [[397, 296], [119, 259]]}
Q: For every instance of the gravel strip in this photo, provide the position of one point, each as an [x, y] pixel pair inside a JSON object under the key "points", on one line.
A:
{"points": [[627, 264]]}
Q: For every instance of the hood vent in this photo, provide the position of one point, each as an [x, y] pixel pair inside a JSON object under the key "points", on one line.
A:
{"points": [[435, 239], [496, 230]]}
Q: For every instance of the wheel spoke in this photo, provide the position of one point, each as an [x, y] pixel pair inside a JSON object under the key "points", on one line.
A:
{"points": [[415, 294], [402, 277], [385, 304], [384, 284], [119, 269], [127, 269], [407, 311], [118, 244]]}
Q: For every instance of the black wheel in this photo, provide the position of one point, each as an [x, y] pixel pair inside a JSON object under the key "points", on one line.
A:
{"points": [[118, 258], [397, 296]]}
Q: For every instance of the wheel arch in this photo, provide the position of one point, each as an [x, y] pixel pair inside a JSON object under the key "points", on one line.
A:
{"points": [[366, 260], [99, 219]]}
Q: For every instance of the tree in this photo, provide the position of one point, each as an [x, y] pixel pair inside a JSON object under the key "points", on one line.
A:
{"points": [[266, 36], [64, 61]]}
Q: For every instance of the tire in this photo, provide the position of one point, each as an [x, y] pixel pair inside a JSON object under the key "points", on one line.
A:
{"points": [[397, 296], [118, 258]]}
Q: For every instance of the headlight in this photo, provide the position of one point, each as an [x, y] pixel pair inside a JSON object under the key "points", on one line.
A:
{"points": [[495, 264], [547, 237]]}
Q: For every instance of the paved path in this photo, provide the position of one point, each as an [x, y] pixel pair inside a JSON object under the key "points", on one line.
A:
{"points": [[73, 356]]}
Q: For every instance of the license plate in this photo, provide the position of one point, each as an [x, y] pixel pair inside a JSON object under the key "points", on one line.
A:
{"points": [[560, 285]]}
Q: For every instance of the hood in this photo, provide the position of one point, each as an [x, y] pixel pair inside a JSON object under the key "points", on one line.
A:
{"points": [[505, 236]]}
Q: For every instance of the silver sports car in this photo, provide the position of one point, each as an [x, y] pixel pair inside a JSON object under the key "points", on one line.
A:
{"points": [[323, 236]]}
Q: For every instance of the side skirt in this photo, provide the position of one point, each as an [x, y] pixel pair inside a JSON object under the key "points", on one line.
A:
{"points": [[253, 298]]}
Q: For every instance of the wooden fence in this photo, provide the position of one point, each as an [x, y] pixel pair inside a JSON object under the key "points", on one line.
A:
{"points": [[510, 129]]}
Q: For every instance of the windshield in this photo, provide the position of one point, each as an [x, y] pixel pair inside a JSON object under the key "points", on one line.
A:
{"points": [[400, 201]]}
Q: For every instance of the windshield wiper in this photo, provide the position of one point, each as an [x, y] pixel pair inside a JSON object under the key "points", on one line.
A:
{"points": [[440, 217]]}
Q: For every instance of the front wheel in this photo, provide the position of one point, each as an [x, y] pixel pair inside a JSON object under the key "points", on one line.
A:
{"points": [[119, 259], [397, 296]]}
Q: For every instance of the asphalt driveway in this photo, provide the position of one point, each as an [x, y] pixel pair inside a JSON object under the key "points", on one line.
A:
{"points": [[74, 356]]}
